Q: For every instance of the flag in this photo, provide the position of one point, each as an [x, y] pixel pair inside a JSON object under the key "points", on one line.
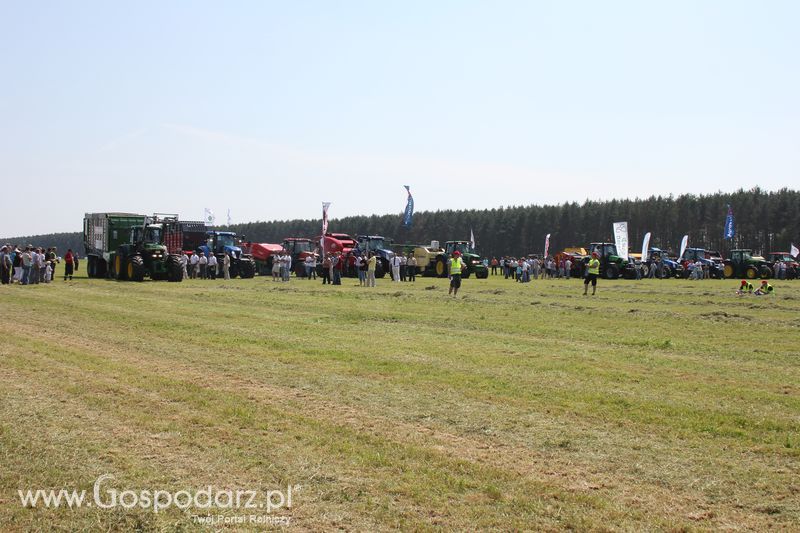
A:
{"points": [[646, 247], [730, 228], [621, 239], [471, 239], [229, 216], [684, 243], [209, 217], [409, 213], [325, 206], [546, 245], [794, 251]]}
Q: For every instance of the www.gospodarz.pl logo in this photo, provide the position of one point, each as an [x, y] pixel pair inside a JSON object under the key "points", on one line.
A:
{"points": [[105, 496]]}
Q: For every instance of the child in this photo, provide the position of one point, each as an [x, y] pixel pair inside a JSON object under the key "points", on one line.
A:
{"points": [[48, 272]]}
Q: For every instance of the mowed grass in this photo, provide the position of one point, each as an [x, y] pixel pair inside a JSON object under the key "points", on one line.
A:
{"points": [[653, 405]]}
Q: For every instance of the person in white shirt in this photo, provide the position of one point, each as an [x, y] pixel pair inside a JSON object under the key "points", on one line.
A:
{"points": [[195, 262], [226, 266], [396, 268], [277, 261], [48, 273], [403, 269], [184, 262], [567, 268], [309, 265], [203, 262], [287, 267], [212, 266]]}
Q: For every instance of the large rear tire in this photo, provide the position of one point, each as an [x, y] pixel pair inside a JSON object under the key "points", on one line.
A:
{"points": [[611, 271], [174, 269], [119, 268], [666, 272], [751, 272], [765, 272], [727, 271], [135, 268], [441, 267], [247, 269]]}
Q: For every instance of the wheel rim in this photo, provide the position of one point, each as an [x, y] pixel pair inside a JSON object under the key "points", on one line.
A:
{"points": [[728, 271], [751, 273]]}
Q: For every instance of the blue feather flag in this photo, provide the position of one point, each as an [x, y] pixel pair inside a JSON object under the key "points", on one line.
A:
{"points": [[730, 228], [408, 215]]}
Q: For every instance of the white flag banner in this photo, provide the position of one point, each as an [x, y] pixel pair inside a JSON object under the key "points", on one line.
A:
{"points": [[546, 245], [325, 206], [621, 239], [208, 217], [684, 244], [229, 216], [794, 251], [646, 247], [471, 239]]}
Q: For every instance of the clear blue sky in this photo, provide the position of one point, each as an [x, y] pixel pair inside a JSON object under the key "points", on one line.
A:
{"points": [[269, 108]]}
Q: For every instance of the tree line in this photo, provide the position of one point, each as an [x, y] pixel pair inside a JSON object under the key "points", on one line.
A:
{"points": [[765, 221]]}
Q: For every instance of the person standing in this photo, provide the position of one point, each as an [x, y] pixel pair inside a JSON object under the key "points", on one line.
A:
{"points": [[326, 270], [338, 268], [276, 266], [212, 266], [456, 266], [372, 262], [308, 263], [226, 266], [203, 262], [184, 263], [195, 264], [495, 262], [592, 272], [396, 268], [69, 264], [5, 265], [411, 265], [27, 261], [402, 267], [361, 264], [287, 266], [567, 268]]}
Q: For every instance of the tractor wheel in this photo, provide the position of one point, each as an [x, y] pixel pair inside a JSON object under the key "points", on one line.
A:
{"points": [[119, 268], [791, 273], [645, 271], [751, 272], [612, 271], [174, 268], [765, 272], [727, 271], [101, 268], [135, 268], [466, 274], [299, 270], [441, 267], [483, 274], [380, 270], [666, 272], [91, 266], [247, 269]]}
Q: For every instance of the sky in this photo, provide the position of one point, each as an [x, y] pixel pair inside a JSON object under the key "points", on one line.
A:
{"points": [[269, 108]]}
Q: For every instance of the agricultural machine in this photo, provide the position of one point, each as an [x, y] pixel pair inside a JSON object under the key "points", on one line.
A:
{"points": [[129, 247], [345, 245], [263, 254], [792, 266], [691, 255], [743, 264], [576, 257], [612, 265], [435, 261], [222, 243], [299, 249], [670, 268], [377, 245]]}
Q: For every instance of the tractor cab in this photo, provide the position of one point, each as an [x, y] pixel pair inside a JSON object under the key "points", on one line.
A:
{"points": [[612, 265], [743, 264]]}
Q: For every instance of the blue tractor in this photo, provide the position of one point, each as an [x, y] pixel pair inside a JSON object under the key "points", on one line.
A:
{"points": [[715, 268], [670, 268], [221, 243], [377, 245]]}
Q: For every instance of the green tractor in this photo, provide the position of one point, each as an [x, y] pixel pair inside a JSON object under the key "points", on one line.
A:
{"points": [[471, 260], [612, 265], [743, 264], [146, 256]]}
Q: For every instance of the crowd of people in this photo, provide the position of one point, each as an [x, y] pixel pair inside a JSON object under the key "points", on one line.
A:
{"points": [[525, 269], [31, 265]]}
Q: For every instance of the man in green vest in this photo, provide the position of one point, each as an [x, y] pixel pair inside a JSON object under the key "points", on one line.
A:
{"points": [[456, 266], [745, 288], [765, 288], [592, 272]]}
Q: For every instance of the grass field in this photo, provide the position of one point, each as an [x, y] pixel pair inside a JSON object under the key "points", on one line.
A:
{"points": [[653, 405]]}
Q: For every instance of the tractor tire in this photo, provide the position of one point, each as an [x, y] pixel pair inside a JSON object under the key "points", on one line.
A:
{"points": [[134, 269], [466, 274], [119, 268], [483, 274], [645, 271], [101, 268], [174, 269], [791, 273], [727, 271], [441, 267], [611, 271], [380, 271], [247, 269], [666, 272], [765, 272], [751, 272], [299, 270]]}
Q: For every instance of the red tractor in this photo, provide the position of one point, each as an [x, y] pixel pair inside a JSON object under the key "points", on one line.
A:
{"points": [[792, 266], [300, 249]]}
